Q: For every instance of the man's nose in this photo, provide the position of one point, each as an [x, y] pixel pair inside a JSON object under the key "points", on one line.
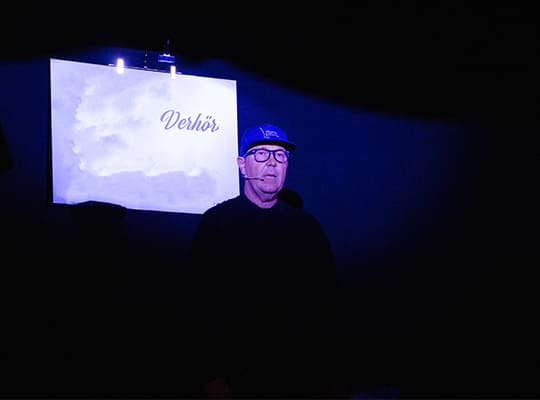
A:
{"points": [[272, 159]]}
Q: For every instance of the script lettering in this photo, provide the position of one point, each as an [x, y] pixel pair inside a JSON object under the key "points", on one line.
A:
{"points": [[172, 118]]}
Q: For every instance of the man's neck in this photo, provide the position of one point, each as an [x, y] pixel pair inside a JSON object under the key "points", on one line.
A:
{"points": [[265, 201]]}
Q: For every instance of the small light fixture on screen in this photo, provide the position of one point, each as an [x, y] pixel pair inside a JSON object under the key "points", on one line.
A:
{"points": [[173, 71], [120, 65]]}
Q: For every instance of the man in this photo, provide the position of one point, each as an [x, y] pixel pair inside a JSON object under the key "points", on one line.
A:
{"points": [[265, 283]]}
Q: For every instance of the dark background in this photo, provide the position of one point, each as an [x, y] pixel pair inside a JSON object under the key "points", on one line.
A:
{"points": [[415, 127]]}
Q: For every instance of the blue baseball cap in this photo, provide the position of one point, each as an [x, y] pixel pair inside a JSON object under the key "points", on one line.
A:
{"points": [[265, 133]]}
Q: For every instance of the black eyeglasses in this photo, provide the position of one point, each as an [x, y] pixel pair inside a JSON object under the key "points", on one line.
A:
{"points": [[262, 155]]}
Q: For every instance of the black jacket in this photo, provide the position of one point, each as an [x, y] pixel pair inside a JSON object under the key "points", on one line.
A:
{"points": [[264, 289]]}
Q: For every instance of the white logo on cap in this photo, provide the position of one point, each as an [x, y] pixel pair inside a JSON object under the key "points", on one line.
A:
{"points": [[269, 134]]}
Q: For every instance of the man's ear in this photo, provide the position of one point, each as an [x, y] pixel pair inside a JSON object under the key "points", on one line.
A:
{"points": [[241, 164]]}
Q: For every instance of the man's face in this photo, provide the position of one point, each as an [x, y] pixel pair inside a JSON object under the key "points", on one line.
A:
{"points": [[270, 174]]}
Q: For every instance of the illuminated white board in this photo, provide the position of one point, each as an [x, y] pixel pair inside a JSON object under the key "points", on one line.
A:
{"points": [[141, 139]]}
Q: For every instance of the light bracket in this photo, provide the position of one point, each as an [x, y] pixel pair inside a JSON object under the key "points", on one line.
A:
{"points": [[166, 56]]}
